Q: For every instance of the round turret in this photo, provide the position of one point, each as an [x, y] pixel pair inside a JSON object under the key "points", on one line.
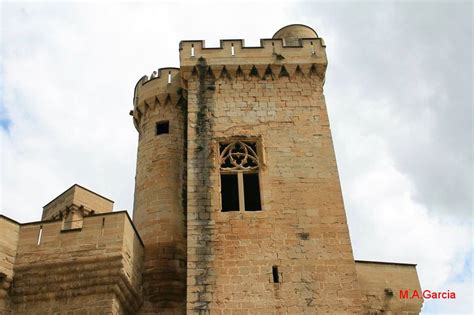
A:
{"points": [[291, 34], [158, 213]]}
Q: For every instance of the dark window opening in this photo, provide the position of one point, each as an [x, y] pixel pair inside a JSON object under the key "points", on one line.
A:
{"points": [[162, 127], [252, 192], [230, 192], [276, 275], [102, 227], [239, 165]]}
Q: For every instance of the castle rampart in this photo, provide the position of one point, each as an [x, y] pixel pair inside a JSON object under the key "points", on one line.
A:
{"points": [[10, 231], [95, 268], [381, 284]]}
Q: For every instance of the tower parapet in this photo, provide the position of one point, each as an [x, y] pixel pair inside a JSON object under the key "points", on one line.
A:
{"points": [[278, 56], [161, 88]]}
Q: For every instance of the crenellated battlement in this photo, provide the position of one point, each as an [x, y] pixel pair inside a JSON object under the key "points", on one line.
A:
{"points": [[163, 87], [295, 50], [272, 59], [234, 52]]}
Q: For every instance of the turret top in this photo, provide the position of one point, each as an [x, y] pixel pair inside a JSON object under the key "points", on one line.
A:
{"points": [[291, 34]]}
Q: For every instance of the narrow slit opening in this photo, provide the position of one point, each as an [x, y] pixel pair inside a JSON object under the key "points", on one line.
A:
{"points": [[102, 227], [192, 50], [232, 50], [169, 77], [40, 234], [276, 276]]}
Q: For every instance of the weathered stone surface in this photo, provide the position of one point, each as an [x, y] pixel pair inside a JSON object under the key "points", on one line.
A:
{"points": [[159, 205], [9, 234], [77, 196], [94, 269], [300, 195], [381, 284]]}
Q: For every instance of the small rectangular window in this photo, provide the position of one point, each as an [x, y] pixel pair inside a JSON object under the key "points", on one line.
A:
{"points": [[252, 192], [230, 192], [162, 127]]}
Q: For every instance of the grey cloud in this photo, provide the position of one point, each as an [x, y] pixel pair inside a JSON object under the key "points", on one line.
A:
{"points": [[416, 59]]}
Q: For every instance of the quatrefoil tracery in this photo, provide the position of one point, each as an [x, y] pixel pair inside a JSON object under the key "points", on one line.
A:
{"points": [[239, 156]]}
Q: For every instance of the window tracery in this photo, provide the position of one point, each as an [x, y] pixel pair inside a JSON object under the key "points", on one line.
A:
{"points": [[239, 168]]}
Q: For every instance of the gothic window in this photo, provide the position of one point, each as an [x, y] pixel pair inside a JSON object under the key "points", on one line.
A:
{"points": [[239, 173]]}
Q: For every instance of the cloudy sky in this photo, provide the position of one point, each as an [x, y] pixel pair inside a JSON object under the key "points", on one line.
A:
{"points": [[398, 90]]}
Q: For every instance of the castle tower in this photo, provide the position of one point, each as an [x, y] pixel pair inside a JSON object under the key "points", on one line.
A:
{"points": [[237, 195], [267, 230], [159, 116], [238, 207]]}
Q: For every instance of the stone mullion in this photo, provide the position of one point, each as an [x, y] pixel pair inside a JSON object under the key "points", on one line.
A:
{"points": [[240, 181]]}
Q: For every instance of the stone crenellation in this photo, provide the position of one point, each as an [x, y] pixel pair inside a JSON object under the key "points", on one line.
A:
{"points": [[272, 51], [161, 89]]}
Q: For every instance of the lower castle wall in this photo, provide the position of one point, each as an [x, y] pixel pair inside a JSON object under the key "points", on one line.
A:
{"points": [[375, 278], [98, 303], [8, 243], [96, 269]]}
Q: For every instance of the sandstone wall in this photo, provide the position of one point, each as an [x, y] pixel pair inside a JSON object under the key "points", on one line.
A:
{"points": [[302, 228], [375, 278], [95, 269], [159, 191], [78, 196], [9, 233]]}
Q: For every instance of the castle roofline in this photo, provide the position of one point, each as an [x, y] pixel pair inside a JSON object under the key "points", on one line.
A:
{"points": [[384, 263], [9, 219], [82, 187], [264, 42], [41, 222]]}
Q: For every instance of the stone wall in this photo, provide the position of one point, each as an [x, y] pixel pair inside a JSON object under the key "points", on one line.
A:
{"points": [[381, 283], [96, 269], [78, 196], [159, 202], [302, 227], [9, 233]]}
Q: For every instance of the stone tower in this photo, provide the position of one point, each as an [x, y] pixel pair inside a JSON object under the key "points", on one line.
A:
{"points": [[237, 144], [238, 206], [159, 206]]}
